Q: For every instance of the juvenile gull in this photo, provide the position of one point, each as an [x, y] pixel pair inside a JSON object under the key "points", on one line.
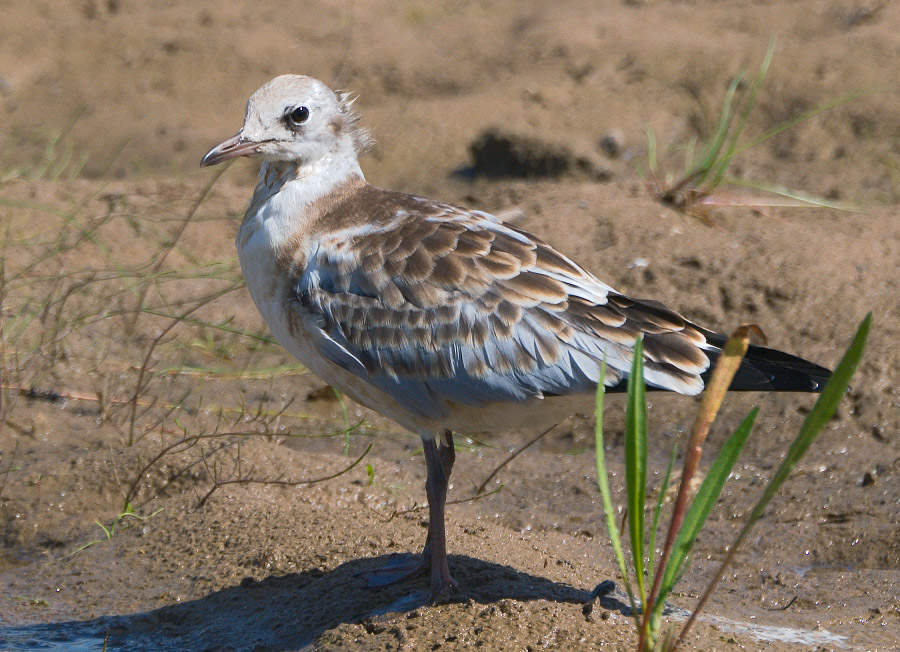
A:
{"points": [[441, 318]]}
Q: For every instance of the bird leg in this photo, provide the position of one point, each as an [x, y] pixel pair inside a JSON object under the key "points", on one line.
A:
{"points": [[439, 459]]}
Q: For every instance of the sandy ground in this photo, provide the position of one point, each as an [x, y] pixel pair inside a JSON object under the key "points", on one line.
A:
{"points": [[107, 106]]}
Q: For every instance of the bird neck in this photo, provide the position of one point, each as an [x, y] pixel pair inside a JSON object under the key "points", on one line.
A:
{"points": [[287, 194], [308, 181]]}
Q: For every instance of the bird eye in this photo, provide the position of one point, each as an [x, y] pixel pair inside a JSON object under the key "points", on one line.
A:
{"points": [[298, 116]]}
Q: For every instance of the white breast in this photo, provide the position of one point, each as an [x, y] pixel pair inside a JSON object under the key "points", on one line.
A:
{"points": [[261, 237], [266, 230], [274, 223], [277, 219]]}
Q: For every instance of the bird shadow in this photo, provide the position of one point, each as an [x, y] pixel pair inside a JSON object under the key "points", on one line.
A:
{"points": [[289, 612]]}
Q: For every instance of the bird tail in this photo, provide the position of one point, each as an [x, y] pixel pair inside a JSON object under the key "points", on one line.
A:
{"points": [[770, 370]]}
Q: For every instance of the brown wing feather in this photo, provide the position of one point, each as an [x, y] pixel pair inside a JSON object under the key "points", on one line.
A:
{"points": [[427, 291]]}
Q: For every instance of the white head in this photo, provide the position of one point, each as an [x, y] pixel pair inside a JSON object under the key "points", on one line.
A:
{"points": [[294, 118]]}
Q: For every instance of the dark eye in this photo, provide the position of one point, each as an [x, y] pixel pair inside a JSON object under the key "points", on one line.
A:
{"points": [[298, 116]]}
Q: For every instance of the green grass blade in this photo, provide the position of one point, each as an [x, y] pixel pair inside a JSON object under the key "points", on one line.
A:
{"points": [[703, 169], [223, 372], [603, 481], [207, 324], [654, 529], [798, 197], [751, 97], [636, 462], [815, 422], [106, 531], [803, 117], [703, 502], [817, 419], [722, 164], [651, 150]]}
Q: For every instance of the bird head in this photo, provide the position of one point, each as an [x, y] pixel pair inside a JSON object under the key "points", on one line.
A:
{"points": [[294, 118]]}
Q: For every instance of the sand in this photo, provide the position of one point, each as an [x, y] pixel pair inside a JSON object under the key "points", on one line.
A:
{"points": [[107, 107]]}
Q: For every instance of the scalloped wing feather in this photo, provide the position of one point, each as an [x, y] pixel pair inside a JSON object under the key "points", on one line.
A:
{"points": [[437, 305]]}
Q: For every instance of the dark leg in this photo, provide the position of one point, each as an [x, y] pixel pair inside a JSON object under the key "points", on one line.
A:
{"points": [[439, 459]]}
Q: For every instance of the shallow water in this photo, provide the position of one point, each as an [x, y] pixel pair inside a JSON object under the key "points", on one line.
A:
{"points": [[71, 637]]}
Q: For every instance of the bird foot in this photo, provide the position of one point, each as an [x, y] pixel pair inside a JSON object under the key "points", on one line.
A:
{"points": [[402, 567], [398, 568], [442, 590]]}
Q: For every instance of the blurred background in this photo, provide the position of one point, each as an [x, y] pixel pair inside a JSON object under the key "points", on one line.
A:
{"points": [[144, 406], [142, 88]]}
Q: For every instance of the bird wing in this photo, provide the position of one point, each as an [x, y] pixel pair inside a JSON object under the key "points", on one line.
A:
{"points": [[442, 305]]}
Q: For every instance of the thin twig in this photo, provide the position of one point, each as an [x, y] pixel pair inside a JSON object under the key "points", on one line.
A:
{"points": [[417, 507], [10, 468], [145, 288], [284, 483], [513, 456], [139, 385]]}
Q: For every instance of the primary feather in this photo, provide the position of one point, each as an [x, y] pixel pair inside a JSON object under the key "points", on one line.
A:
{"points": [[439, 305]]}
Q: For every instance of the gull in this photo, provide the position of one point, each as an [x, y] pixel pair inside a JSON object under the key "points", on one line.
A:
{"points": [[442, 318]]}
